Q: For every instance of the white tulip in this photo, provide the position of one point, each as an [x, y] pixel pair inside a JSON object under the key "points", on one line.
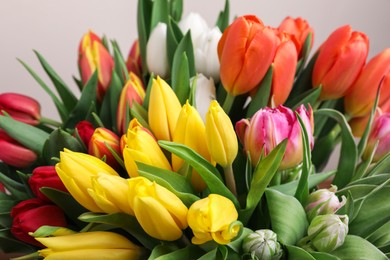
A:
{"points": [[197, 25], [156, 51], [204, 94]]}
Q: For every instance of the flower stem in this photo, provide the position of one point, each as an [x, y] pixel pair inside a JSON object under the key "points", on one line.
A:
{"points": [[49, 121], [229, 177], [227, 103]]}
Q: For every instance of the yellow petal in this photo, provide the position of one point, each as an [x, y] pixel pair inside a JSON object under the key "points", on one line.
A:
{"points": [[83, 254]]}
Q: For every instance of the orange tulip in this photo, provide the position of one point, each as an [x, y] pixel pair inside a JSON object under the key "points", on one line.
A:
{"points": [[360, 99], [245, 50], [340, 60]]}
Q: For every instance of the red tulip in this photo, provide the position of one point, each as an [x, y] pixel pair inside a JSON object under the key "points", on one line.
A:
{"points": [[45, 176], [101, 138], [31, 214], [133, 62], [20, 107], [340, 60], [85, 130], [246, 50]]}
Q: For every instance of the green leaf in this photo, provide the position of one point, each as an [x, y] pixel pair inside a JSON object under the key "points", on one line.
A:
{"points": [[144, 10], [324, 256], [262, 95], [208, 172], [381, 236], [297, 253], [139, 112], [236, 245], [185, 46], [120, 64], [145, 104], [16, 189], [29, 136], [375, 180], [355, 247], [308, 97], [160, 13], [124, 221], [161, 250], [288, 218], [86, 103], [176, 9], [68, 98], [10, 245], [262, 176], [180, 77], [188, 252], [174, 36], [383, 165], [223, 17]]}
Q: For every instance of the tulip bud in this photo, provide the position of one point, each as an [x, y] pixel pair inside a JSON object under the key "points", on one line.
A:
{"points": [[85, 130], [359, 101], [20, 107], [133, 62], [270, 126], [156, 51], [299, 29], [205, 92], [322, 202], [93, 55], [75, 171], [339, 62], [220, 135], [262, 244], [164, 109], [89, 245], [197, 25], [13, 153], [101, 138], [31, 214], [380, 133], [327, 232], [159, 212], [142, 147], [45, 176], [204, 218], [245, 50], [133, 91]]}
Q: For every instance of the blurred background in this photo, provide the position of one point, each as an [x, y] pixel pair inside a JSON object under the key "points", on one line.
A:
{"points": [[54, 28]]}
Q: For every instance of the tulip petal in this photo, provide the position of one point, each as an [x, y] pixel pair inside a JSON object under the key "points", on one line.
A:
{"points": [[82, 254]]}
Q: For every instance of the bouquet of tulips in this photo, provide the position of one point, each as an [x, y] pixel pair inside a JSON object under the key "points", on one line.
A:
{"points": [[203, 143]]}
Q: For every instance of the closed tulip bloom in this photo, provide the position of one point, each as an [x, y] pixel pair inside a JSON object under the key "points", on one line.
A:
{"points": [[85, 131], [133, 91], [21, 108], [221, 138], [195, 23], [246, 50], [133, 62], [110, 193], [205, 93], [361, 97], [299, 29], [156, 51], [94, 56], [191, 131], [89, 245], [160, 212], [75, 170], [101, 138], [14, 154], [268, 127], [380, 133], [211, 218], [340, 60], [164, 109], [142, 147]]}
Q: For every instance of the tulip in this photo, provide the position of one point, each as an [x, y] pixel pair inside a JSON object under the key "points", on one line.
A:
{"points": [[156, 51], [133, 91], [299, 29], [85, 130], [213, 218], [359, 124], [191, 131], [110, 193], [220, 135], [245, 50], [268, 127], [340, 60], [359, 101], [13, 153], [160, 213], [322, 202], [31, 214], [20, 107], [195, 23], [380, 133], [101, 138], [89, 245], [133, 62], [164, 109], [142, 147], [93, 55], [205, 92], [75, 170], [45, 176], [262, 244]]}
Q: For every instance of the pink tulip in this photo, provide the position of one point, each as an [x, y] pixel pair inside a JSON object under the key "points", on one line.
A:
{"points": [[380, 132], [21, 108]]}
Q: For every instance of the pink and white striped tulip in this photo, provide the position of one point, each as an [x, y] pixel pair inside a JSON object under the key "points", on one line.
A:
{"points": [[380, 132]]}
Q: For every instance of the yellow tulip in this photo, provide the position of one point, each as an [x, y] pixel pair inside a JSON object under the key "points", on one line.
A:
{"points": [[211, 218], [221, 138], [110, 193], [89, 245], [191, 131], [160, 212], [75, 170], [164, 109], [142, 147]]}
